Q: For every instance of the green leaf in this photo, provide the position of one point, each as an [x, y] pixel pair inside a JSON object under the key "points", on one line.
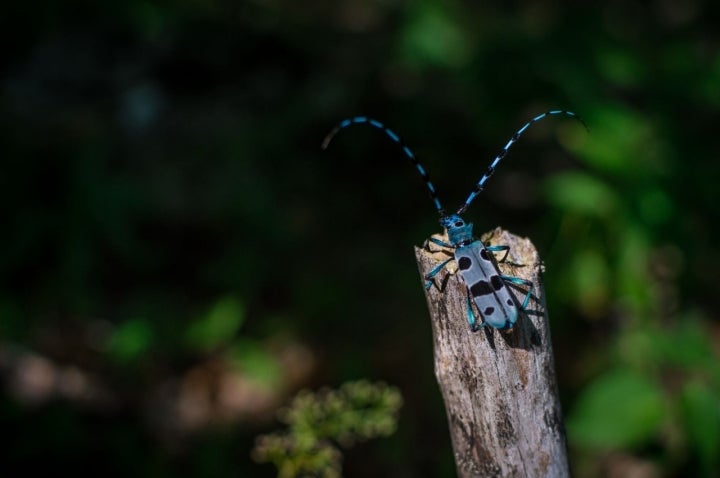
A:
{"points": [[622, 142], [701, 413], [690, 345], [217, 327], [590, 285], [434, 38], [621, 409], [631, 271], [256, 362], [130, 340], [581, 193], [621, 66]]}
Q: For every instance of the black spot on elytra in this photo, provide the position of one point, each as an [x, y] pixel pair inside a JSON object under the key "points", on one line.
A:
{"points": [[481, 287], [484, 254], [510, 303], [464, 263], [488, 310], [497, 282]]}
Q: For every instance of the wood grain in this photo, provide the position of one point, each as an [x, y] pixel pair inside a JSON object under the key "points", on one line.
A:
{"points": [[499, 388]]}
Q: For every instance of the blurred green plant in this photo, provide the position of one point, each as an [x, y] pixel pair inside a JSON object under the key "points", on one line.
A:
{"points": [[219, 326], [218, 329], [662, 390], [656, 383], [130, 340], [321, 422], [619, 409], [156, 163]]}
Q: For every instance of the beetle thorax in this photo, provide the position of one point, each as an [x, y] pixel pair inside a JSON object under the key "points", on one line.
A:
{"points": [[459, 232]]}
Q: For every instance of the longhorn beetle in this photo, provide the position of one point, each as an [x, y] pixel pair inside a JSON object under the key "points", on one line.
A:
{"points": [[484, 282]]}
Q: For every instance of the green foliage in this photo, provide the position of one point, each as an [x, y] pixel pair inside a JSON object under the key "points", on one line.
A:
{"points": [[630, 407], [218, 326], [621, 409], [634, 405], [320, 422], [446, 47], [254, 359], [583, 194], [700, 414], [624, 268], [169, 218], [130, 340]]}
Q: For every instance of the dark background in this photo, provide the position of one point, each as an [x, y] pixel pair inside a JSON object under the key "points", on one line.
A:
{"points": [[178, 257]]}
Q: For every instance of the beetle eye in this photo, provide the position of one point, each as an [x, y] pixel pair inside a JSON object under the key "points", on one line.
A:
{"points": [[458, 223]]}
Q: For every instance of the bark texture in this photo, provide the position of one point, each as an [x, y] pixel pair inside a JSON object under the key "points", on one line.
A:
{"points": [[499, 388]]}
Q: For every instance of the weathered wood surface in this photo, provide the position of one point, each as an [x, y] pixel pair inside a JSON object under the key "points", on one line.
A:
{"points": [[499, 388]]}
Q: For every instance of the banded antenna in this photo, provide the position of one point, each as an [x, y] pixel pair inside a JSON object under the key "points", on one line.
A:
{"points": [[480, 185], [393, 136]]}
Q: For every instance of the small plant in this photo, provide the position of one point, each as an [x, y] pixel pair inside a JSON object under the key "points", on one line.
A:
{"points": [[321, 422]]}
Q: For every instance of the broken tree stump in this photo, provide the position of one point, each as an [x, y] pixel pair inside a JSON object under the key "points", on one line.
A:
{"points": [[499, 387]]}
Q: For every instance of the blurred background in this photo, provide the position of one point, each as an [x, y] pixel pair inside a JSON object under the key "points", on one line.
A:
{"points": [[179, 257]]}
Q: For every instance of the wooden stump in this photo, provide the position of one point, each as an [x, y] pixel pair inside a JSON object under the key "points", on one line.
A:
{"points": [[499, 388]]}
